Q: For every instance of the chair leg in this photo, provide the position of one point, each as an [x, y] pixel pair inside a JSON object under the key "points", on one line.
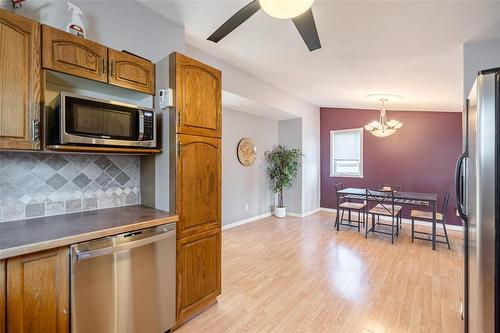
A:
{"points": [[446, 235], [412, 228], [359, 220], [392, 230], [349, 215]]}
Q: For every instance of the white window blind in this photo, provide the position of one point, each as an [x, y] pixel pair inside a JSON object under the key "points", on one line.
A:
{"points": [[346, 153]]}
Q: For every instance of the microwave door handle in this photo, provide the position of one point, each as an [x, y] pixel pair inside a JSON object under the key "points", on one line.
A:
{"points": [[141, 125]]}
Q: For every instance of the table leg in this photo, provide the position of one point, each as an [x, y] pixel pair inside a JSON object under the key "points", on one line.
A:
{"points": [[337, 221], [434, 225]]}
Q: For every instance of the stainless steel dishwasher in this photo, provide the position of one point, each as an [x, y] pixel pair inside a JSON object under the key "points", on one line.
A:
{"points": [[124, 283]]}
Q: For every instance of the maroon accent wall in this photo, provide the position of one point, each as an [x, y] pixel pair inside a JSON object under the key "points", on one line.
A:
{"points": [[421, 156]]}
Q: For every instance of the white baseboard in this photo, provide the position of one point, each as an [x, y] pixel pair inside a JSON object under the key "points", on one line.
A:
{"points": [[245, 221], [404, 220], [303, 215]]}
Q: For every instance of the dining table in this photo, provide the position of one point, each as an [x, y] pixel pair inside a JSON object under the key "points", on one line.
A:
{"points": [[400, 197]]}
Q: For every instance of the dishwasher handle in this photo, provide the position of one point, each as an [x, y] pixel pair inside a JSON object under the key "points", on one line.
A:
{"points": [[83, 255]]}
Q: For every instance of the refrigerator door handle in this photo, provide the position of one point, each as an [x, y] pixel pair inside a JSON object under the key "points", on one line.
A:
{"points": [[458, 173]]}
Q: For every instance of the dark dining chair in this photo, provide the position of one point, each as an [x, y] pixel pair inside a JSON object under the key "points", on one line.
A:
{"points": [[389, 187], [384, 206], [346, 204], [426, 216]]}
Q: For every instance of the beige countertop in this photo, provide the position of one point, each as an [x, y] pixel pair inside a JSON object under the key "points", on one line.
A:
{"points": [[32, 235]]}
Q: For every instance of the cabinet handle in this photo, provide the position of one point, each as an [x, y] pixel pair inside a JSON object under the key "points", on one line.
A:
{"points": [[112, 68], [104, 66], [35, 130]]}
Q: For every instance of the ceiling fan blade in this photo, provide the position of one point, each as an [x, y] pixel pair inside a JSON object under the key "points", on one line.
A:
{"points": [[235, 21], [307, 29]]}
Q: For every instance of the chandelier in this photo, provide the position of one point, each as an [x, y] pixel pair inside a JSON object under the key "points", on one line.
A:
{"points": [[383, 127]]}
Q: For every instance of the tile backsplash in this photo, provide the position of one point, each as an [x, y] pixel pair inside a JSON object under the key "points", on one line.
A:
{"points": [[39, 184]]}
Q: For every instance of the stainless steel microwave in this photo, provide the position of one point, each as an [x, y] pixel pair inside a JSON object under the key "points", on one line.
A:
{"points": [[80, 120]]}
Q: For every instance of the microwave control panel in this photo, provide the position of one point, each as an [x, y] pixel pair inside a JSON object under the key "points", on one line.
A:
{"points": [[148, 126]]}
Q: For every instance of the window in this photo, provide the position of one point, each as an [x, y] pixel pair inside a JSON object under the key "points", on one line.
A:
{"points": [[346, 153]]}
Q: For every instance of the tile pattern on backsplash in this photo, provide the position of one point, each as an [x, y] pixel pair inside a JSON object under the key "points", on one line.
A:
{"points": [[38, 184]]}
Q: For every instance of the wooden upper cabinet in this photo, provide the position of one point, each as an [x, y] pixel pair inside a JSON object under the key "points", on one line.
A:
{"points": [[198, 273], [198, 184], [38, 292], [198, 99], [70, 54], [20, 81], [129, 71]]}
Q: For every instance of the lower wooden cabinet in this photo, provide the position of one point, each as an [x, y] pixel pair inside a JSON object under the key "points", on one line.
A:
{"points": [[38, 292], [198, 273], [3, 294]]}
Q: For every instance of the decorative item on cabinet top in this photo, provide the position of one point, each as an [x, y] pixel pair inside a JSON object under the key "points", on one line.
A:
{"points": [[246, 152]]}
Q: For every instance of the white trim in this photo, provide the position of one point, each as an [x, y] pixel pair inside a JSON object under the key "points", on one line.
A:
{"points": [[245, 221], [303, 215], [404, 220], [332, 154]]}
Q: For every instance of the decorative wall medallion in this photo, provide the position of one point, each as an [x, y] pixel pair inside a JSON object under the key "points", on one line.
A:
{"points": [[246, 151]]}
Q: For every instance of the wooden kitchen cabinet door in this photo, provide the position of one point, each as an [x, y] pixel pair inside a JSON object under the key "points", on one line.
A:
{"points": [[198, 184], [129, 71], [198, 273], [70, 54], [20, 82], [3, 294], [38, 292], [198, 96]]}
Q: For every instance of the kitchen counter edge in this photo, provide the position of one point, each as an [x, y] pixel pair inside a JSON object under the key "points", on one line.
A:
{"points": [[159, 218]]}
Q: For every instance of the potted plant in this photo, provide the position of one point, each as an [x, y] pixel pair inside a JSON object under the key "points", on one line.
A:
{"points": [[282, 168]]}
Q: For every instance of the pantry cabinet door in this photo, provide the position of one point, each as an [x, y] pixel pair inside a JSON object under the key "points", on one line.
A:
{"points": [[20, 82], [198, 184], [198, 273], [198, 96]]}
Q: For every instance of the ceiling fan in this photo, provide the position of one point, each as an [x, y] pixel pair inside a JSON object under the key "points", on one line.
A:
{"points": [[299, 11]]}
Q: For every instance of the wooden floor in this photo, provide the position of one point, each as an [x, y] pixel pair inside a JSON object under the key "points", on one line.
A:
{"points": [[300, 275]]}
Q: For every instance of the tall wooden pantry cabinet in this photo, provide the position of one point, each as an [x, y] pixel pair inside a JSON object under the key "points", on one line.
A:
{"points": [[196, 157]]}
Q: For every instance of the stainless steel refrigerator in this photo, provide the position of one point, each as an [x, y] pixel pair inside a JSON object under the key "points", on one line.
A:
{"points": [[478, 203]]}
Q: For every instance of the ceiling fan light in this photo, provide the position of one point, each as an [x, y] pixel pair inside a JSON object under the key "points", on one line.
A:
{"points": [[285, 9]]}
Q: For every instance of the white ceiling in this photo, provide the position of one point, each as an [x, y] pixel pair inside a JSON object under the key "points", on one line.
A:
{"points": [[408, 48], [238, 103]]}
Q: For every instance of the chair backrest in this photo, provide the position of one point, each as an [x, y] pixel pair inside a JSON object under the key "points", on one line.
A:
{"points": [[385, 199], [339, 187], [445, 202]]}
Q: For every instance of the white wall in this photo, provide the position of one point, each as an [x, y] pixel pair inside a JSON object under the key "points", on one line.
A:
{"points": [[236, 81], [242, 186], [479, 56], [290, 136]]}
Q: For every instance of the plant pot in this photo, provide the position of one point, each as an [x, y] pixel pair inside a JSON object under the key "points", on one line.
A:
{"points": [[280, 211]]}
